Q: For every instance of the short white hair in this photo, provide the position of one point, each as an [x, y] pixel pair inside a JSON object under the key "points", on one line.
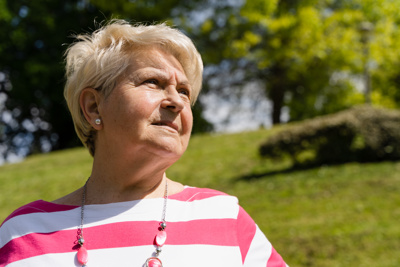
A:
{"points": [[97, 60]]}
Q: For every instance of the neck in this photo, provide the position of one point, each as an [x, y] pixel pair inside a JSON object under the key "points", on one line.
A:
{"points": [[126, 177], [117, 178]]}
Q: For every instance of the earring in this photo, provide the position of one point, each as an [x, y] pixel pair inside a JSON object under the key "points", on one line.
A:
{"points": [[97, 121]]}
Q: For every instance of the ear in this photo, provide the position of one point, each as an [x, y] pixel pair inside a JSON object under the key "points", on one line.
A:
{"points": [[89, 101]]}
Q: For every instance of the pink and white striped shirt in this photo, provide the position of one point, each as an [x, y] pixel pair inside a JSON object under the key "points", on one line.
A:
{"points": [[205, 228]]}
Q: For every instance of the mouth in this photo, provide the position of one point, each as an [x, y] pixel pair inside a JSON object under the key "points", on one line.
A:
{"points": [[169, 124]]}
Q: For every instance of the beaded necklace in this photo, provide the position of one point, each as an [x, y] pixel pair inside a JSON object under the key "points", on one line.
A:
{"points": [[160, 237]]}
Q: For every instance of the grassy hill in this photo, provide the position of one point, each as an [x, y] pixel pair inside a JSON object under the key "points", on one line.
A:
{"points": [[345, 215]]}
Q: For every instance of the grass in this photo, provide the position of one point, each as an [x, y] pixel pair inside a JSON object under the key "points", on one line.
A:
{"points": [[345, 215]]}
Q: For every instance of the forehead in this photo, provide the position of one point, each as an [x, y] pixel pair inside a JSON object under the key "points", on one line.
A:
{"points": [[156, 59]]}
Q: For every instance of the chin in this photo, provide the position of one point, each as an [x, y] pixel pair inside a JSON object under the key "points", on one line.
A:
{"points": [[169, 149]]}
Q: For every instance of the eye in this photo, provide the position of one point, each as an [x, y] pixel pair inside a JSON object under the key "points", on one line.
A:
{"points": [[185, 92], [151, 81]]}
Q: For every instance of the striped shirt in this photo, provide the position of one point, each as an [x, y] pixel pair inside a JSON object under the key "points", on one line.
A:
{"points": [[205, 228]]}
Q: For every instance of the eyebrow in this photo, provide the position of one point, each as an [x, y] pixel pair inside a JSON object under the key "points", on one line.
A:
{"points": [[150, 72]]}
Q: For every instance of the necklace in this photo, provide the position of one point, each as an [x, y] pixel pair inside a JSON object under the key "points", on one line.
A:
{"points": [[160, 237]]}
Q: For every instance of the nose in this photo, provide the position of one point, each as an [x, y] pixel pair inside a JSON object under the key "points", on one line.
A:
{"points": [[172, 101]]}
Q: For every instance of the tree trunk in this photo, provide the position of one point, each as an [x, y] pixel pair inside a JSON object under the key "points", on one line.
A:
{"points": [[277, 95], [276, 87]]}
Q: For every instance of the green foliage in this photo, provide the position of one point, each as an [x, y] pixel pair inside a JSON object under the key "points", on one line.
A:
{"points": [[32, 45], [4, 12], [359, 134], [344, 215], [148, 11], [258, 10], [310, 55]]}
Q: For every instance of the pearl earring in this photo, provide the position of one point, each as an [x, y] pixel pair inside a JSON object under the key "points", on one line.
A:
{"points": [[97, 121]]}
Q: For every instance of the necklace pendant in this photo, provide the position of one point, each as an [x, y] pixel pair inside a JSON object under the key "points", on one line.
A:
{"points": [[161, 237], [153, 262], [82, 255]]}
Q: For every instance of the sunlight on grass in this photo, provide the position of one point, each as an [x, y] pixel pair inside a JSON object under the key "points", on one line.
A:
{"points": [[345, 215]]}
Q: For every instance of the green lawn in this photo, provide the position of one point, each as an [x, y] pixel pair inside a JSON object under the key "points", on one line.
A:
{"points": [[345, 215]]}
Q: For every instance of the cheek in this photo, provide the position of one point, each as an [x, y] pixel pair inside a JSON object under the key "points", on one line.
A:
{"points": [[124, 116], [137, 107]]}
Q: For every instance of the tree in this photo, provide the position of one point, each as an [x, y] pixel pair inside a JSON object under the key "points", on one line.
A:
{"points": [[31, 53], [309, 54]]}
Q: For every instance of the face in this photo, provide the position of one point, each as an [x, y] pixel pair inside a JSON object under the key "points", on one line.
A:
{"points": [[149, 110]]}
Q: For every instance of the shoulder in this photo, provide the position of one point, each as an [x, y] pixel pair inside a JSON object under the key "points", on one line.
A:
{"points": [[30, 225], [194, 194], [35, 207], [37, 216], [203, 204]]}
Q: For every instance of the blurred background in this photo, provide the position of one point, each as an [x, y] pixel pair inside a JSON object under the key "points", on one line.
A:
{"points": [[266, 62], [299, 114]]}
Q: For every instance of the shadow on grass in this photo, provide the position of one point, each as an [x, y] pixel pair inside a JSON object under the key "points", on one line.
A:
{"points": [[299, 167], [295, 168], [255, 176]]}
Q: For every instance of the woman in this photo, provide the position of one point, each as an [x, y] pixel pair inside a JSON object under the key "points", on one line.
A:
{"points": [[130, 90]]}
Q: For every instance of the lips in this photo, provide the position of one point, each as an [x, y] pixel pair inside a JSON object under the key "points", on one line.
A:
{"points": [[170, 124]]}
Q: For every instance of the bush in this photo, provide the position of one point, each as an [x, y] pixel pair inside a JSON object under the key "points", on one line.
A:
{"points": [[361, 134]]}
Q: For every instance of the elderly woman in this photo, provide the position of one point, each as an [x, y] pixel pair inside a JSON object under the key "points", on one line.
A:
{"points": [[130, 90]]}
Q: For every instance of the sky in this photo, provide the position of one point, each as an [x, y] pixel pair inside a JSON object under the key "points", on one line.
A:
{"points": [[231, 110]]}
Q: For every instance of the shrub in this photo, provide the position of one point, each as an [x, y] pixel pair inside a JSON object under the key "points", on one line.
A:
{"points": [[362, 133]]}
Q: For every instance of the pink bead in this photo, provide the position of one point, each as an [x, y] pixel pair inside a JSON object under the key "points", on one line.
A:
{"points": [[154, 262], [82, 255], [161, 237]]}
